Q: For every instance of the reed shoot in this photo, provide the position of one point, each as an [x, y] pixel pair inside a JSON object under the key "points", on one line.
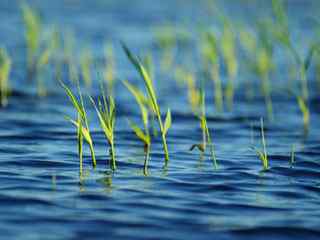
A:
{"points": [[263, 153], [82, 122], [142, 134], [107, 115], [164, 125], [206, 138]]}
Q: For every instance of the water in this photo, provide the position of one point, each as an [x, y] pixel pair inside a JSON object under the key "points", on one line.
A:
{"points": [[40, 194]]}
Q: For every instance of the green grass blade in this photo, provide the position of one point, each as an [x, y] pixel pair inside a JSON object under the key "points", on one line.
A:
{"points": [[264, 153], [102, 121], [140, 134], [145, 76], [74, 100], [168, 122]]}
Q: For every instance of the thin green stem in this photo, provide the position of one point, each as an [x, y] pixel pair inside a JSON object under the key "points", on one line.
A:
{"points": [[94, 162], [113, 157], [265, 156]]}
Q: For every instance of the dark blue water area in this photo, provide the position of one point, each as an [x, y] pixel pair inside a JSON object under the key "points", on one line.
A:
{"points": [[40, 193]]}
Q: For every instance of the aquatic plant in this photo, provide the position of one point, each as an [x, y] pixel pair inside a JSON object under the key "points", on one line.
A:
{"points": [[33, 27], [262, 154], [206, 138], [147, 61], [5, 68], [82, 124], [142, 134], [164, 126], [106, 111]]}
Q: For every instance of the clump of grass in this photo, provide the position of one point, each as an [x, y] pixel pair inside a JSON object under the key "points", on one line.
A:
{"points": [[163, 125], [305, 114], [206, 138], [33, 27], [149, 64], [142, 134], [5, 67], [106, 111], [82, 125], [262, 154]]}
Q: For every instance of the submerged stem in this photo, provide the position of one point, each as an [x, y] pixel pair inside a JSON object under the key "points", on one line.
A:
{"points": [[112, 157], [146, 160], [93, 156], [265, 156]]}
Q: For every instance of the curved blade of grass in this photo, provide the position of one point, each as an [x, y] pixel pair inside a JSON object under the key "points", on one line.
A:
{"points": [[103, 124], [145, 76], [262, 157], [85, 133], [305, 113], [139, 96], [140, 134], [167, 122], [74, 100]]}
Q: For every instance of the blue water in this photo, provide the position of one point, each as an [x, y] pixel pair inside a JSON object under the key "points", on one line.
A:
{"points": [[40, 194]]}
